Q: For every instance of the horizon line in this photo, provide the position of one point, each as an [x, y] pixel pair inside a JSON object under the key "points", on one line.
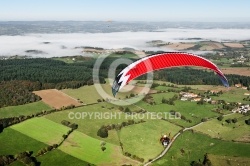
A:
{"points": [[195, 21]]}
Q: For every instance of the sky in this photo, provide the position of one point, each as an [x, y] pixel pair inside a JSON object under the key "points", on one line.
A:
{"points": [[126, 10]]}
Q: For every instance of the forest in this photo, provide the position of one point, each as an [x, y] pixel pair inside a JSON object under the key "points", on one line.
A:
{"points": [[19, 77], [190, 76]]}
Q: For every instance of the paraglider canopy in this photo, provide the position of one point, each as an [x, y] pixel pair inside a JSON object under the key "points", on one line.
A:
{"points": [[162, 61]]}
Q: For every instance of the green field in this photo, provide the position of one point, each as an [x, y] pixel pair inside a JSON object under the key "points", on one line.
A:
{"points": [[191, 110], [64, 59], [228, 160], [13, 142], [90, 124], [233, 95], [195, 145], [42, 129], [142, 139], [159, 96], [57, 157], [26, 109], [126, 55], [165, 88], [88, 94], [83, 145], [88, 149], [220, 129], [83, 94], [225, 61]]}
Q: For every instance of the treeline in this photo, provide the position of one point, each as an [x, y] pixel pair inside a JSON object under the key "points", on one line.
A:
{"points": [[18, 92], [103, 131], [19, 77], [206, 161], [54, 71], [5, 122], [190, 76], [134, 157], [24, 157], [70, 125], [170, 101], [43, 70]]}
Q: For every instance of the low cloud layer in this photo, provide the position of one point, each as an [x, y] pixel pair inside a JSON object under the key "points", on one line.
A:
{"points": [[52, 45]]}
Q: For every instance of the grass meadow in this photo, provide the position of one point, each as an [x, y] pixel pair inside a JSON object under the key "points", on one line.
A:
{"points": [[228, 160], [13, 142], [233, 95], [223, 130], [191, 110], [142, 139], [26, 109], [57, 157], [195, 145], [88, 149], [90, 124], [89, 94], [42, 129]]}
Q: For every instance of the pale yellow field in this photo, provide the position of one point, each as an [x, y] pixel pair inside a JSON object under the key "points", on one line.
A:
{"points": [[245, 71], [180, 46], [211, 46], [234, 45]]}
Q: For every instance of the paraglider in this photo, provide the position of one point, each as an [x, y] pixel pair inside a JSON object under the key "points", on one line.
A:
{"points": [[161, 61], [165, 140]]}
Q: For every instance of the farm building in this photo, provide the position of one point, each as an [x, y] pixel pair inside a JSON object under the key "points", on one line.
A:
{"points": [[242, 109]]}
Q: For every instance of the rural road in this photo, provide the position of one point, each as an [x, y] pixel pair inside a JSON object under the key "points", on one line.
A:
{"points": [[168, 147]]}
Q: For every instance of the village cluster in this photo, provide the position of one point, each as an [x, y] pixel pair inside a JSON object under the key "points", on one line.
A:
{"points": [[189, 96]]}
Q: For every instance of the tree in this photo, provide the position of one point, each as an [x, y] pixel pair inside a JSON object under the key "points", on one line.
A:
{"points": [[102, 132], [131, 121], [1, 128], [64, 136], [124, 124], [73, 126], [6, 159], [183, 117], [49, 148], [21, 155], [103, 148], [55, 145], [247, 121], [127, 110], [118, 126], [234, 120], [132, 95], [121, 108], [26, 160], [220, 118], [65, 122], [196, 163], [204, 119], [228, 120]]}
